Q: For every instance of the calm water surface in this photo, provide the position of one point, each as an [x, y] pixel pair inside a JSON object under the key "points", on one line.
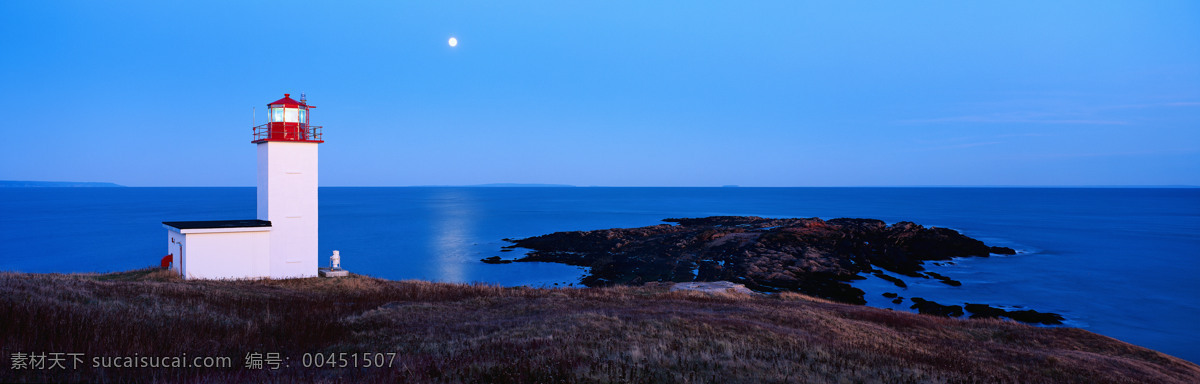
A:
{"points": [[1120, 262]]}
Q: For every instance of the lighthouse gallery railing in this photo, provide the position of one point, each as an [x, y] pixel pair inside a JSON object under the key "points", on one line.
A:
{"points": [[290, 132]]}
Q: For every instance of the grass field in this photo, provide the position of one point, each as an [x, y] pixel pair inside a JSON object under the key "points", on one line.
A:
{"points": [[478, 333]]}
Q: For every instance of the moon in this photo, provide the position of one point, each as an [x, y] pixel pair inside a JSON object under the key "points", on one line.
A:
{"points": [[453, 42]]}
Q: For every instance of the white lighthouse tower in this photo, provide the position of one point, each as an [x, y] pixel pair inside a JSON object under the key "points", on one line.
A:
{"points": [[282, 242], [287, 186]]}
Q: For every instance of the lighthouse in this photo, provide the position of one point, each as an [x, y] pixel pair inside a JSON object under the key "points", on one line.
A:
{"points": [[287, 185], [282, 241]]}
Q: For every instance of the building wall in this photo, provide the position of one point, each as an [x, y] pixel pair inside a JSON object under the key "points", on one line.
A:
{"points": [[175, 247], [226, 255], [287, 197]]}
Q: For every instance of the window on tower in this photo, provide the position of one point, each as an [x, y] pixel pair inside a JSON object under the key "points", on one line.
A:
{"points": [[276, 115], [291, 115]]}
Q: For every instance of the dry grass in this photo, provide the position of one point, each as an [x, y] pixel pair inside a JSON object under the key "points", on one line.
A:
{"points": [[480, 333]]}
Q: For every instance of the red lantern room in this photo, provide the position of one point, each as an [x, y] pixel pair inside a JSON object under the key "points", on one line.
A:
{"points": [[287, 120]]}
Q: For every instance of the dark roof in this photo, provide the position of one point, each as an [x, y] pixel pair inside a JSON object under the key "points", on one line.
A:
{"points": [[217, 224], [286, 100]]}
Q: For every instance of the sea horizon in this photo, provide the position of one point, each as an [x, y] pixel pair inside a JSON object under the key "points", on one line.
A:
{"points": [[3, 183]]}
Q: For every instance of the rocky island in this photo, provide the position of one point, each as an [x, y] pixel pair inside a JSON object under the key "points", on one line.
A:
{"points": [[811, 256]]}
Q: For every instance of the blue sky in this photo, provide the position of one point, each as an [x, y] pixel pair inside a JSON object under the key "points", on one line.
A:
{"points": [[610, 93]]}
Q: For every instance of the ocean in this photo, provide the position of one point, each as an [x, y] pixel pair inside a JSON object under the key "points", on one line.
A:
{"points": [[1122, 262]]}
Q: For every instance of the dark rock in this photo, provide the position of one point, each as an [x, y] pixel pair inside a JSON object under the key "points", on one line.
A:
{"points": [[1024, 316], [894, 280], [1032, 316], [926, 307], [811, 256], [897, 300], [984, 311], [944, 279], [1002, 250], [495, 260], [890, 295]]}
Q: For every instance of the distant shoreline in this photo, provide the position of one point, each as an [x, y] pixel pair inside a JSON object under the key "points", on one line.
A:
{"points": [[42, 184], [59, 184]]}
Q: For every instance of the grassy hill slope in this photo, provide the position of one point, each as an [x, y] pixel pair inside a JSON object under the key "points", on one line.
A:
{"points": [[476, 333]]}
